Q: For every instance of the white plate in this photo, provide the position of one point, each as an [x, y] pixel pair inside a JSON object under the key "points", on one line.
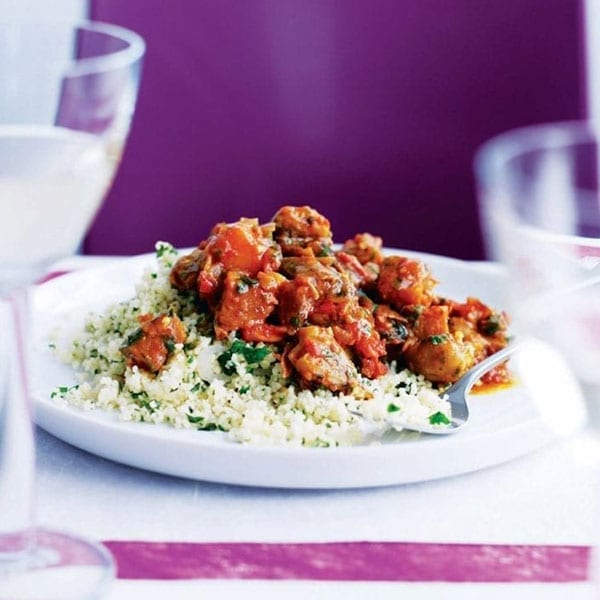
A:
{"points": [[503, 424]]}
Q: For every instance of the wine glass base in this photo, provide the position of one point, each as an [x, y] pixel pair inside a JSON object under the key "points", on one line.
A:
{"points": [[59, 566]]}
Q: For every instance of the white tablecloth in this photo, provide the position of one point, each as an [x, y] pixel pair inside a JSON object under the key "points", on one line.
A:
{"points": [[547, 497]]}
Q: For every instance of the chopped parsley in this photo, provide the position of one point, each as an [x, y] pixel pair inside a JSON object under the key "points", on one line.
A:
{"points": [[194, 419], [491, 325], [144, 403], [198, 420], [62, 391], [244, 283], [403, 385], [134, 337], [163, 248], [398, 331], [392, 408], [169, 344], [436, 340], [200, 386], [439, 418], [253, 355]]}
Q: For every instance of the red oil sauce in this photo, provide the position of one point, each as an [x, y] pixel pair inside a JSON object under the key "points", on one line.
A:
{"points": [[490, 388], [499, 378]]}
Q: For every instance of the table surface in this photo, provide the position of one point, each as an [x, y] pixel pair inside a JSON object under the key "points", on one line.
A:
{"points": [[548, 497]]}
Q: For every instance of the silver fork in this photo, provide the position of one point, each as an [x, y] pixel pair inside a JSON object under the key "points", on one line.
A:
{"points": [[457, 392], [456, 395]]}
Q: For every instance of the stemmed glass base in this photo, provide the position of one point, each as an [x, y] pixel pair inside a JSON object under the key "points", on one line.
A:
{"points": [[57, 566], [35, 563]]}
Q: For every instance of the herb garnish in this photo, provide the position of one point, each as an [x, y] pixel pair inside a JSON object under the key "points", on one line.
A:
{"points": [[252, 354], [439, 418], [491, 325], [134, 337], [198, 420], [244, 283], [162, 248]]}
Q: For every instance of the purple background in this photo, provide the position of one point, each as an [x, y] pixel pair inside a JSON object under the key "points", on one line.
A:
{"points": [[368, 110]]}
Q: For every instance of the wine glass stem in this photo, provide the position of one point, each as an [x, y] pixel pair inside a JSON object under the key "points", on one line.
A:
{"points": [[17, 449]]}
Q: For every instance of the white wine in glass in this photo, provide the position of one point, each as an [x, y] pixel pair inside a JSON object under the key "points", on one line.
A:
{"points": [[66, 103]]}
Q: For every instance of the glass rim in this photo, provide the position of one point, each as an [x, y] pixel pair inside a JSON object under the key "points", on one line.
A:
{"points": [[492, 157], [110, 61], [564, 239], [494, 153]]}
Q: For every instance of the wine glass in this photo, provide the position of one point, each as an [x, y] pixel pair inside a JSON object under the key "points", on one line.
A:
{"points": [[540, 206], [67, 97]]}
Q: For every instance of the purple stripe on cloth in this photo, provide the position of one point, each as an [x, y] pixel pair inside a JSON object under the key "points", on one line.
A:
{"points": [[352, 561]]}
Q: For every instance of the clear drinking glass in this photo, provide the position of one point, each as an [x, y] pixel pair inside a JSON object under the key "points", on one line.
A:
{"points": [[67, 97], [540, 206]]}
